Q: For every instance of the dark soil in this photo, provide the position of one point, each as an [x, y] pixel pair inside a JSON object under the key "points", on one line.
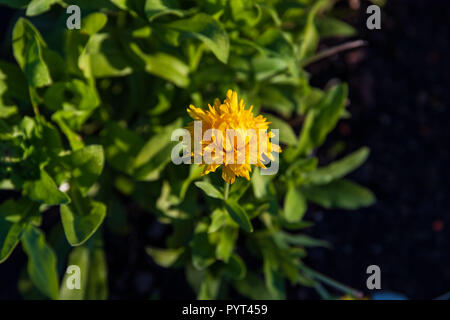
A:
{"points": [[400, 105]]}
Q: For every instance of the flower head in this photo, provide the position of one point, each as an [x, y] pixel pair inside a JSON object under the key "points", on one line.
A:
{"points": [[231, 136]]}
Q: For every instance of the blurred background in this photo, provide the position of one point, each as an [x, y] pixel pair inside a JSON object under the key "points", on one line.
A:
{"points": [[399, 100], [400, 109]]}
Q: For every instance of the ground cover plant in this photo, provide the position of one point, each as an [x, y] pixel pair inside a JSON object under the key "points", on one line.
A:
{"points": [[86, 119]]}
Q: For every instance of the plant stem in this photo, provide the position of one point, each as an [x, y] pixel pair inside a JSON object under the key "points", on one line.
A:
{"points": [[334, 50], [227, 190], [332, 282], [321, 291], [36, 111]]}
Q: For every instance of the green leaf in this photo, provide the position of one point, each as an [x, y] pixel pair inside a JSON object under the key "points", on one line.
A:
{"points": [[213, 7], [15, 215], [75, 140], [300, 240], [103, 57], [265, 66], [330, 27], [235, 268], [309, 40], [209, 189], [36, 7], [156, 144], [165, 257], [194, 277], [287, 134], [259, 184], [342, 194], [252, 287], [80, 258], [243, 13], [238, 188], [28, 50], [322, 119], [219, 218], [121, 146], [81, 218], [238, 214], [10, 234], [164, 66], [274, 280], [14, 82], [157, 8], [41, 262], [296, 226], [90, 258], [208, 30], [93, 23], [339, 168], [294, 205], [86, 165], [83, 97], [135, 7], [182, 232], [7, 111], [275, 99], [272, 12], [155, 154], [276, 42], [310, 36], [35, 68], [51, 138], [97, 284], [301, 166], [45, 190], [310, 100], [203, 251], [195, 172], [209, 287], [227, 239]]}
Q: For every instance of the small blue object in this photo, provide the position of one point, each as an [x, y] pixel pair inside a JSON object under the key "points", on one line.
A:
{"points": [[388, 295]]}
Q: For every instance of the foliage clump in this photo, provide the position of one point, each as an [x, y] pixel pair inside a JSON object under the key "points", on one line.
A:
{"points": [[86, 118]]}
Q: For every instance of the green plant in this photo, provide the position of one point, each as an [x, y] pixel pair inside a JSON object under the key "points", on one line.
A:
{"points": [[86, 118]]}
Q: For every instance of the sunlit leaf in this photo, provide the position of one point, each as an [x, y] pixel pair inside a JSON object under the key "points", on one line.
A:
{"points": [[209, 189], [86, 165], [238, 214], [41, 262], [227, 239], [322, 119], [294, 205], [164, 257], [81, 218], [157, 8], [208, 30], [339, 168], [45, 190], [28, 51], [342, 194], [287, 134], [36, 7]]}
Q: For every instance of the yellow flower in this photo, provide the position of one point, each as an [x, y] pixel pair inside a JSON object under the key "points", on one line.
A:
{"points": [[228, 122]]}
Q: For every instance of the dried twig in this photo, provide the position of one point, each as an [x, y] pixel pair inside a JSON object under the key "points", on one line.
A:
{"points": [[334, 50]]}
